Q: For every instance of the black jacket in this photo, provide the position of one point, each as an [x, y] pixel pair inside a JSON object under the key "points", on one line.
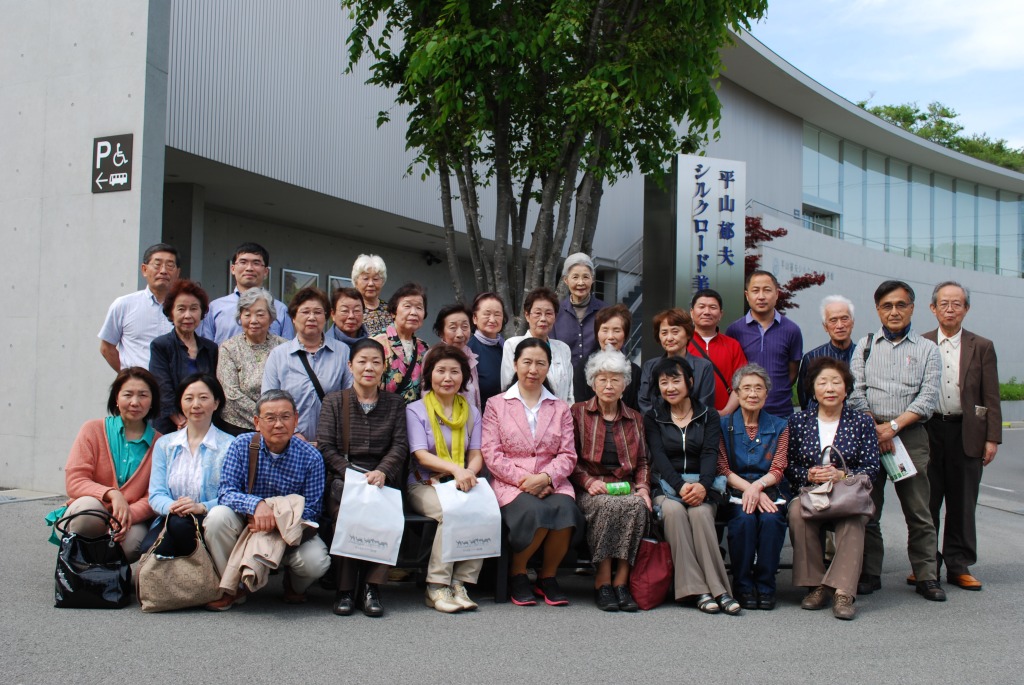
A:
{"points": [[675, 451], [168, 361]]}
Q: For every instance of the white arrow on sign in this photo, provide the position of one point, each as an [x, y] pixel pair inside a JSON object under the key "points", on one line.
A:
{"points": [[100, 180]]}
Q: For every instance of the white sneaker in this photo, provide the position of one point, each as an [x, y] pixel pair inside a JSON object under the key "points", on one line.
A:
{"points": [[440, 598], [462, 597]]}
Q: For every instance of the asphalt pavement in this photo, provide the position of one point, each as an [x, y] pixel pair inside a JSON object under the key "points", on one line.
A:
{"points": [[897, 637]]}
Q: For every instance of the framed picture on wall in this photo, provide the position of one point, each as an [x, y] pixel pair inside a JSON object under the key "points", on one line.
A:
{"points": [[266, 283], [294, 281], [335, 282]]}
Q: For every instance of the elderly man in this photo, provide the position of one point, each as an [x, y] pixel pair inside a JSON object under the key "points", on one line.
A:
{"points": [[250, 266], [769, 339], [896, 380], [286, 465], [724, 353], [347, 315], [965, 431], [837, 318], [134, 320]]}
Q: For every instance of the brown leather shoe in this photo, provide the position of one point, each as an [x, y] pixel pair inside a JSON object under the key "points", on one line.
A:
{"points": [[964, 580], [912, 579], [842, 606], [227, 601], [817, 598]]}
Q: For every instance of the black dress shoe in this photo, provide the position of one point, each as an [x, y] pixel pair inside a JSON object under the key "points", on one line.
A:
{"points": [[868, 584], [931, 590], [766, 602], [344, 604], [625, 598], [605, 598], [748, 600], [371, 601]]}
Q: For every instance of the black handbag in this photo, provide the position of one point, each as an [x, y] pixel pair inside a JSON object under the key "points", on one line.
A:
{"points": [[92, 573]]}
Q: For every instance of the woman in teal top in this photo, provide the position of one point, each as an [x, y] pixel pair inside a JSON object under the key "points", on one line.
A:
{"points": [[186, 466]]}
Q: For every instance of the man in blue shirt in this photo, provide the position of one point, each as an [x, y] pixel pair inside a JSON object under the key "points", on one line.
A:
{"points": [[837, 318], [287, 465], [250, 266]]}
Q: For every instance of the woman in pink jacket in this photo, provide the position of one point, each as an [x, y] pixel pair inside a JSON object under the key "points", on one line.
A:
{"points": [[528, 448]]}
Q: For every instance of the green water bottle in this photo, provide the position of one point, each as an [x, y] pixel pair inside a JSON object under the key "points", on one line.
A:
{"points": [[618, 488]]}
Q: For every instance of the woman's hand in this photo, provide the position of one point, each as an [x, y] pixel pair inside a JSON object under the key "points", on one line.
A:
{"points": [[646, 497], [693, 494], [824, 474], [597, 487], [184, 506], [766, 504], [376, 477], [752, 497], [178, 420], [120, 511], [465, 479], [535, 484]]}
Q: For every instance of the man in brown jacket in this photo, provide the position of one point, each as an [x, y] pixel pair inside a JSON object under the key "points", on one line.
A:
{"points": [[965, 432]]}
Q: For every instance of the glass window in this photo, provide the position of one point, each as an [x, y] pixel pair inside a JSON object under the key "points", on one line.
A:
{"points": [[965, 228], [988, 229], [942, 211], [811, 161], [899, 205], [853, 192], [874, 201], [1009, 233], [920, 213], [828, 167]]}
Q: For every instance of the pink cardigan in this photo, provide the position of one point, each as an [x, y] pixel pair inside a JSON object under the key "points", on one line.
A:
{"points": [[512, 453], [90, 472]]}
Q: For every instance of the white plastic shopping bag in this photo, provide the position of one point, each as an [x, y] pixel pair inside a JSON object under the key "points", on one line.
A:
{"points": [[370, 521], [472, 522]]}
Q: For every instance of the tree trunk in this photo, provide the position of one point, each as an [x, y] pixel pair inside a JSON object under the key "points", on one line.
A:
{"points": [[449, 227]]}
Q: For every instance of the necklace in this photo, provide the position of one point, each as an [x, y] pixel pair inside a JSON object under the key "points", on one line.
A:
{"points": [[685, 416]]}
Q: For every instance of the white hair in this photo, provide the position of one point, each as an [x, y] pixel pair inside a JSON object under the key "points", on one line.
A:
{"points": [[251, 297], [577, 259], [369, 263], [835, 299], [607, 361]]}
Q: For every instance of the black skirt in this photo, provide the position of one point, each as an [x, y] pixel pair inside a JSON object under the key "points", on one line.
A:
{"points": [[527, 514]]}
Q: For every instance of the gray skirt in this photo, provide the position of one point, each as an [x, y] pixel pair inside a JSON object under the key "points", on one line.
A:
{"points": [[615, 525], [527, 514]]}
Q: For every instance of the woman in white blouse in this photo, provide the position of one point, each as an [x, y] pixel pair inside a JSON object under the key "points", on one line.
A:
{"points": [[186, 466], [540, 308]]}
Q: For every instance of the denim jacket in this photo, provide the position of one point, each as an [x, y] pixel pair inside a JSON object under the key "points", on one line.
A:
{"points": [[168, 448]]}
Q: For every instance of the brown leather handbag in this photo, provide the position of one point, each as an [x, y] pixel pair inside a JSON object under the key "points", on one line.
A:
{"points": [[850, 496]]}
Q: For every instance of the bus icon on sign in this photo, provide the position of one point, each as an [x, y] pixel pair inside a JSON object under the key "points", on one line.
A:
{"points": [[118, 179]]}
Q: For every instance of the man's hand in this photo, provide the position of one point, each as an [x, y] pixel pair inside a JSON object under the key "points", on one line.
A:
{"points": [[990, 452], [263, 519]]}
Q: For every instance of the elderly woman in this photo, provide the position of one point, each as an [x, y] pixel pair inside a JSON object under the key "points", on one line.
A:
{"points": [[110, 461], [453, 328], [444, 438], [403, 361], [683, 436], [310, 365], [243, 357], [574, 324], [347, 315], [674, 328], [611, 449], [539, 307], [181, 352], [186, 466], [752, 457], [852, 434], [376, 443], [369, 275], [528, 448], [611, 328], [489, 318]]}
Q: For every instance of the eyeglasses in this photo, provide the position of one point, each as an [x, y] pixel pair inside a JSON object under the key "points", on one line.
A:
{"points": [[311, 312], [900, 306], [274, 419], [161, 263], [955, 306], [254, 263]]}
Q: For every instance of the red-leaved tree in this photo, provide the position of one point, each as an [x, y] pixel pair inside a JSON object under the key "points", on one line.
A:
{"points": [[758, 234]]}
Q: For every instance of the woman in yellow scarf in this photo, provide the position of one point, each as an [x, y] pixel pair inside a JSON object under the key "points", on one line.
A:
{"points": [[444, 438]]}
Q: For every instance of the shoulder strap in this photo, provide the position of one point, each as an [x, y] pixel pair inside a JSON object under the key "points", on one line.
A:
{"points": [[304, 357], [718, 372], [346, 419], [867, 348], [254, 461]]}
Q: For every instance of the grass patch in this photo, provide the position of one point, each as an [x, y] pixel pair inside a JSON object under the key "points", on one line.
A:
{"points": [[1011, 391]]}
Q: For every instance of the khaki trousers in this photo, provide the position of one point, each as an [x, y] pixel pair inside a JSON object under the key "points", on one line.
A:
{"points": [[423, 499], [808, 559], [90, 526], [690, 532]]}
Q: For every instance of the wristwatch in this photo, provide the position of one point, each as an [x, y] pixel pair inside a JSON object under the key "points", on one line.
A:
{"points": [[895, 426]]}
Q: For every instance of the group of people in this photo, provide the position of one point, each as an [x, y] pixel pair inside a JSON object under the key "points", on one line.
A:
{"points": [[259, 402]]}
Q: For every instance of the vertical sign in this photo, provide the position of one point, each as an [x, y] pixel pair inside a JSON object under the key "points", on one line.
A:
{"points": [[111, 164], [711, 230]]}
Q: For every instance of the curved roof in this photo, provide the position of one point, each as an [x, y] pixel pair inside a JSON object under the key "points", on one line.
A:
{"points": [[752, 66]]}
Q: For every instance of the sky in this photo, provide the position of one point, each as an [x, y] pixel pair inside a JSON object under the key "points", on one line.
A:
{"points": [[968, 55]]}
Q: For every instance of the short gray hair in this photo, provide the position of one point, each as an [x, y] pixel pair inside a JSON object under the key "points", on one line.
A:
{"points": [[940, 286], [577, 259], [752, 370], [608, 361], [836, 299], [273, 396], [369, 263], [251, 297]]}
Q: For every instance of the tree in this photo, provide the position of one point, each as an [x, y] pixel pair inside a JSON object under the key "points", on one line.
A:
{"points": [[542, 103], [757, 235], [938, 124]]}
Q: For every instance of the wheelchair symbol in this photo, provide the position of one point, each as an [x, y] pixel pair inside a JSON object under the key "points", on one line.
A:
{"points": [[119, 157]]}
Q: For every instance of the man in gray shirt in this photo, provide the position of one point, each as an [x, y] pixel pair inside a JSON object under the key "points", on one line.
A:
{"points": [[897, 375]]}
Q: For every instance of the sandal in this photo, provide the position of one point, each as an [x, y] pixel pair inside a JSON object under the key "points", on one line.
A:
{"points": [[707, 604], [728, 604]]}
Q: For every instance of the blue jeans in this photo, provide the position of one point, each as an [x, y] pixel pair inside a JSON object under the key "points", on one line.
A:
{"points": [[759, 535]]}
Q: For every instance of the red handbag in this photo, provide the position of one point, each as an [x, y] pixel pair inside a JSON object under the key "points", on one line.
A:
{"points": [[650, 581]]}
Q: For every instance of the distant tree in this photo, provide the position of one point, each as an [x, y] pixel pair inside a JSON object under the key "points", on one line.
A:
{"points": [[938, 124], [757, 235]]}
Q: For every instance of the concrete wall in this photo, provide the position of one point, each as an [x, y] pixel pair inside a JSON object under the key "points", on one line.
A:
{"points": [[69, 72]]}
